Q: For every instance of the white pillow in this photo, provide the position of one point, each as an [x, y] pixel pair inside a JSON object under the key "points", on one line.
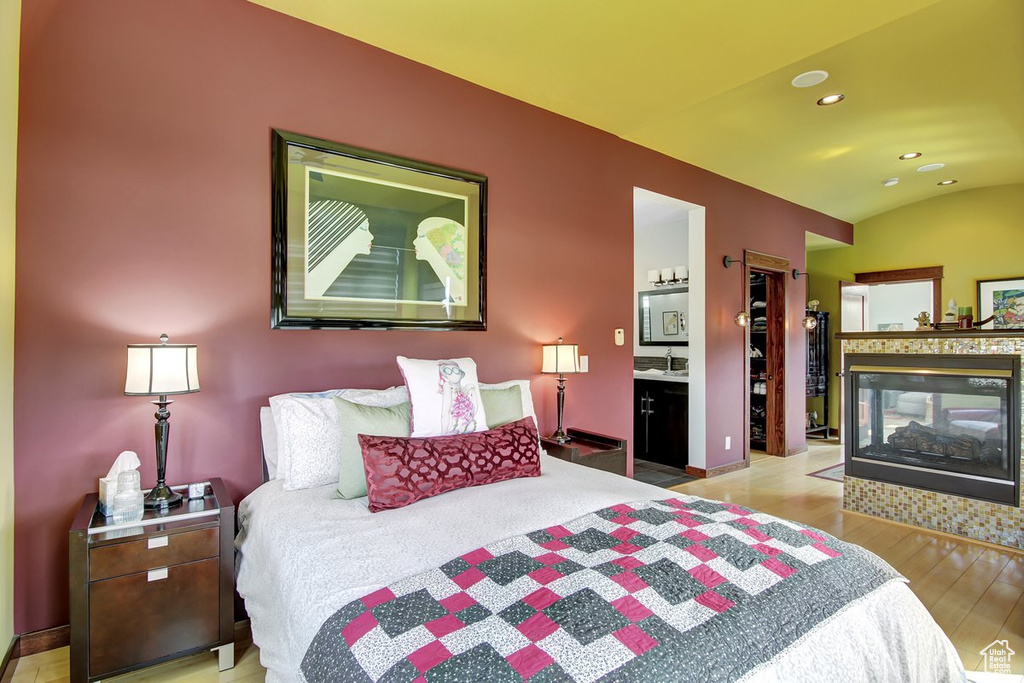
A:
{"points": [[444, 395], [309, 433], [268, 433]]}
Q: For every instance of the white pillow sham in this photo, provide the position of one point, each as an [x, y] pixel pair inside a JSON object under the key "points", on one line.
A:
{"points": [[268, 433], [445, 396], [309, 433]]}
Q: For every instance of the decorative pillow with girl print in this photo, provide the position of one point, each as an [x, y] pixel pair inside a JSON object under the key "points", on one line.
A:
{"points": [[445, 396]]}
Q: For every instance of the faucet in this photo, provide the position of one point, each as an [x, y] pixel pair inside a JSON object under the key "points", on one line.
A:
{"points": [[668, 358]]}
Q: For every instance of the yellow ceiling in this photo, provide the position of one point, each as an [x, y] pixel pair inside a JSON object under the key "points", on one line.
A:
{"points": [[709, 82]]}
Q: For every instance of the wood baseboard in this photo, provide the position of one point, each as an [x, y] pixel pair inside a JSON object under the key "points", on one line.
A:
{"points": [[59, 636], [716, 471], [42, 641]]}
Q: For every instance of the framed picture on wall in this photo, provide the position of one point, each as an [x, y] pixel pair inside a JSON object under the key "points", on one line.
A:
{"points": [[362, 239], [1003, 300], [670, 322]]}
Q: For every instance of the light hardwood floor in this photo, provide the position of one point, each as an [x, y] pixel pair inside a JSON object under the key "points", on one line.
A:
{"points": [[975, 592]]}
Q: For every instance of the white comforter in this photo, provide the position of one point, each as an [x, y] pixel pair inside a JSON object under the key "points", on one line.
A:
{"points": [[305, 554]]}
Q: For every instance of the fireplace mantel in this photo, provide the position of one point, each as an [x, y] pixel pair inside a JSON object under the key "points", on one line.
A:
{"points": [[933, 334]]}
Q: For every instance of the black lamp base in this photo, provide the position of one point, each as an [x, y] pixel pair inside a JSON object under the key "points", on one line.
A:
{"points": [[162, 497], [560, 436]]}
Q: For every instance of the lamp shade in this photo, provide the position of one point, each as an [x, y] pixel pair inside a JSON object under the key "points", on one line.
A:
{"points": [[161, 369], [561, 358]]}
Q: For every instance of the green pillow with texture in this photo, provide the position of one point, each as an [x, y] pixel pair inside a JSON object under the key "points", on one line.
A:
{"points": [[502, 406], [358, 419]]}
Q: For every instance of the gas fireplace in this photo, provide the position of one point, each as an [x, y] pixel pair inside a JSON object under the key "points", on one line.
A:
{"points": [[948, 423]]}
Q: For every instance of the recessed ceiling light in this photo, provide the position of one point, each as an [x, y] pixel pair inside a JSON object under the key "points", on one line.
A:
{"points": [[947, 182], [889, 182], [831, 99], [930, 167], [909, 155], [809, 78]]}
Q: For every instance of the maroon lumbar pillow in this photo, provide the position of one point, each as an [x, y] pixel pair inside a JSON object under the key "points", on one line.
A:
{"points": [[402, 470]]}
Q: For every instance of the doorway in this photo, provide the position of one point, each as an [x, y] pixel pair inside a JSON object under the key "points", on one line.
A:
{"points": [[766, 278], [659, 220]]}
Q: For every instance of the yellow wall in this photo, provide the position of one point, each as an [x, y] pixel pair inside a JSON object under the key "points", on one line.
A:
{"points": [[973, 234], [10, 31]]}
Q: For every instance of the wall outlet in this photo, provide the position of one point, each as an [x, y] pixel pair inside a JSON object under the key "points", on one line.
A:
{"points": [[728, 443], [584, 363], [620, 336]]}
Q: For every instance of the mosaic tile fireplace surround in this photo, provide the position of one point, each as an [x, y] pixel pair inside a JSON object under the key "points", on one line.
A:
{"points": [[982, 520]]}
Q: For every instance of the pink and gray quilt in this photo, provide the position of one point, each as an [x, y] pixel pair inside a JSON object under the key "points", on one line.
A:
{"points": [[669, 590]]}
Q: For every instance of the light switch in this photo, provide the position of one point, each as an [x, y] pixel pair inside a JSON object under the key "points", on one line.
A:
{"points": [[620, 336], [584, 363]]}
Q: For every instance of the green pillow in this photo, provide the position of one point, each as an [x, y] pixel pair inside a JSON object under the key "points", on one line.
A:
{"points": [[358, 419], [502, 406]]}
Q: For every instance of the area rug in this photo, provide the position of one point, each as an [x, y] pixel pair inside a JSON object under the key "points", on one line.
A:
{"points": [[833, 473]]}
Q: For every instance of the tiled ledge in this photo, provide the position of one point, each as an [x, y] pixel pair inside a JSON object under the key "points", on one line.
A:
{"points": [[931, 334]]}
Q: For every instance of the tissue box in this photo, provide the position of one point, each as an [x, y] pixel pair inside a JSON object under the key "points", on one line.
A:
{"points": [[108, 489]]}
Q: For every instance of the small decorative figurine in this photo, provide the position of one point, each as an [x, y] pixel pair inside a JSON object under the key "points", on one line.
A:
{"points": [[924, 321], [950, 315]]}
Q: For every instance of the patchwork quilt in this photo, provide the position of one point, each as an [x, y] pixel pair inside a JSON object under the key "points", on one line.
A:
{"points": [[683, 589]]}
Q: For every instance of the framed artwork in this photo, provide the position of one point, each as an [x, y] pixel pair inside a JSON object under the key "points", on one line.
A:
{"points": [[1004, 301], [890, 327], [670, 322], [362, 239]]}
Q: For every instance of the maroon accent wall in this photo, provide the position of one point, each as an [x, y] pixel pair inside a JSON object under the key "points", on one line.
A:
{"points": [[144, 205]]}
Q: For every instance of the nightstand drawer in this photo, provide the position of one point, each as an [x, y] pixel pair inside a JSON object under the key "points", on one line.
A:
{"points": [[150, 615], [156, 551]]}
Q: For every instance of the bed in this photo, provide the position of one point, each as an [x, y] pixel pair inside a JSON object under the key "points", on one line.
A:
{"points": [[305, 557]]}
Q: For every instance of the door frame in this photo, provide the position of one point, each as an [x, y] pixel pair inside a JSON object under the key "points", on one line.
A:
{"points": [[777, 271]]}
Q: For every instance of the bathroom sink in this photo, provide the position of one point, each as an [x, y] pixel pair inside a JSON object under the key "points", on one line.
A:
{"points": [[662, 373]]}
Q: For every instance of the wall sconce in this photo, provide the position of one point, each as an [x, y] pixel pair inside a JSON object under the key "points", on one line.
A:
{"points": [[742, 319], [667, 276], [810, 321]]}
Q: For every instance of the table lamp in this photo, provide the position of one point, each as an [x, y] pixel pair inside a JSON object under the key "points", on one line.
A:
{"points": [[161, 370], [562, 359]]}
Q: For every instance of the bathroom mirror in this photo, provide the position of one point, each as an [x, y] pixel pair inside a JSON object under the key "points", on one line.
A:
{"points": [[664, 317]]}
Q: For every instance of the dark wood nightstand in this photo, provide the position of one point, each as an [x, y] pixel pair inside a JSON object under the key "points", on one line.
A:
{"points": [[601, 452], [149, 591]]}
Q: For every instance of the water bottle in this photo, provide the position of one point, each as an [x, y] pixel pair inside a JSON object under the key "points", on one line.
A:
{"points": [[128, 500]]}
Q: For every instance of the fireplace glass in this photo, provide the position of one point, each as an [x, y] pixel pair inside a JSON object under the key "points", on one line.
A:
{"points": [[948, 423]]}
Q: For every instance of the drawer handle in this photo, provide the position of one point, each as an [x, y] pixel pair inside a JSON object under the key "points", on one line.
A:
{"points": [[158, 542], [156, 574]]}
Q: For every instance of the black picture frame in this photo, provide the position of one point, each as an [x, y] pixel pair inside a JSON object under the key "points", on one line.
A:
{"points": [[1001, 299], [367, 240]]}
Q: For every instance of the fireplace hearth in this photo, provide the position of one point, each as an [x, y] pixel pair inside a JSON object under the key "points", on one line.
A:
{"points": [[946, 423]]}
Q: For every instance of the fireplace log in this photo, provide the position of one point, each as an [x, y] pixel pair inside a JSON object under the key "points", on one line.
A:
{"points": [[917, 437]]}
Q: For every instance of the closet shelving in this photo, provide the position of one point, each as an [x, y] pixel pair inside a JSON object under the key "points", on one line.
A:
{"points": [[758, 352]]}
